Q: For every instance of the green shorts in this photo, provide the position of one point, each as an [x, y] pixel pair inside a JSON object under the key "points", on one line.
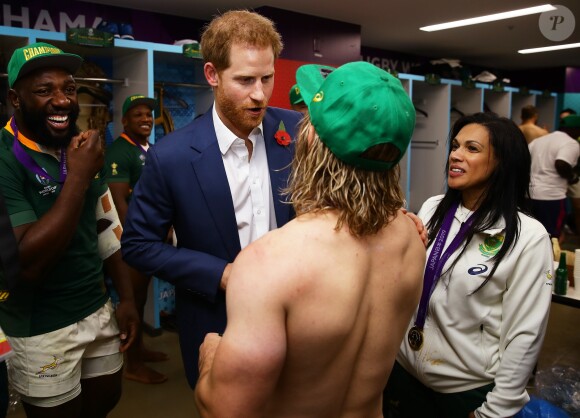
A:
{"points": [[406, 397]]}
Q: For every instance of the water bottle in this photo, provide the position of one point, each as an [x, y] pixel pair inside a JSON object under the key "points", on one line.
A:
{"points": [[561, 276]]}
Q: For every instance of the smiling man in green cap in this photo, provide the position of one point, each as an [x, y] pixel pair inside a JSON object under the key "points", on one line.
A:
{"points": [[125, 159], [318, 308], [58, 318]]}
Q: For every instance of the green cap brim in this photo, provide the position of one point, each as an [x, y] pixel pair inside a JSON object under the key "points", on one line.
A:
{"points": [[310, 77], [69, 62], [295, 96], [129, 104]]}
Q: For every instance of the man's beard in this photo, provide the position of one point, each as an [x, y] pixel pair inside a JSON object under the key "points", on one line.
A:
{"points": [[35, 122], [234, 114]]}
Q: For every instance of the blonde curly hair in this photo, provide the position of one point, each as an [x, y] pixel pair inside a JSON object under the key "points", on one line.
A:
{"points": [[366, 201]]}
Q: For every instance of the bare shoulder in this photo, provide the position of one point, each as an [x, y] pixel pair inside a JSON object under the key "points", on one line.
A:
{"points": [[301, 242], [275, 244], [408, 248], [408, 239], [404, 230], [271, 253]]}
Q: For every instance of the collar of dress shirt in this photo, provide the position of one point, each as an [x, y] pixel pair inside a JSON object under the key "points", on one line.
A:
{"points": [[226, 137]]}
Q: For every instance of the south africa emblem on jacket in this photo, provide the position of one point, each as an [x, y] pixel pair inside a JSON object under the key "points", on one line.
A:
{"points": [[491, 245]]}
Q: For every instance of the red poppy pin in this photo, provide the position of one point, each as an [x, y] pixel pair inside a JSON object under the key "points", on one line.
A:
{"points": [[282, 137]]}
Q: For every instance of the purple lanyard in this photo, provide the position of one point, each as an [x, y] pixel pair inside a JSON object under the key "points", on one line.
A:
{"points": [[27, 161], [138, 145], [435, 262]]}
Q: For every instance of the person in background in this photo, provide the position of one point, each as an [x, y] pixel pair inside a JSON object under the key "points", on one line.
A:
{"points": [[554, 157], [125, 158], [529, 125], [566, 112], [296, 100], [571, 126], [478, 330], [317, 309], [217, 180], [58, 318], [4, 392], [9, 272]]}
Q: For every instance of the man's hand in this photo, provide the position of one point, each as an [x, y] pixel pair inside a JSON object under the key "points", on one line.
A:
{"points": [[169, 239], [128, 321], [85, 155], [126, 312], [419, 224], [203, 391], [207, 352], [226, 276]]}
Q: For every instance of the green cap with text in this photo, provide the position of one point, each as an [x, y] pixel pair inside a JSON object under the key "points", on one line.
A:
{"points": [[356, 107], [137, 99], [40, 55]]}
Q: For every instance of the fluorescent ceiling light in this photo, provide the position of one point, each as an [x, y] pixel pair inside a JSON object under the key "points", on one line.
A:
{"points": [[548, 48], [490, 18]]}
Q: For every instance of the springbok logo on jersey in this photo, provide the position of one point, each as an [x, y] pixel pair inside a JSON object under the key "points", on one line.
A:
{"points": [[491, 245]]}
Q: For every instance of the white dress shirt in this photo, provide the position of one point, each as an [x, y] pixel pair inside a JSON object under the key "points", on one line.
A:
{"points": [[249, 181]]}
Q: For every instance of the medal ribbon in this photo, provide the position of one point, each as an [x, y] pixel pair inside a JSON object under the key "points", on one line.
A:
{"points": [[436, 262], [27, 161], [138, 145]]}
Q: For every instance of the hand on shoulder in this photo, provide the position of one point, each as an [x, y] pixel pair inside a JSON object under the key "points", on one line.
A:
{"points": [[418, 224]]}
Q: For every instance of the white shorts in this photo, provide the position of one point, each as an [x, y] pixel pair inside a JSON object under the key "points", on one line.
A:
{"points": [[53, 364]]}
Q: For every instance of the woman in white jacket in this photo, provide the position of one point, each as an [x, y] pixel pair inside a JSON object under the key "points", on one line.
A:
{"points": [[475, 338]]}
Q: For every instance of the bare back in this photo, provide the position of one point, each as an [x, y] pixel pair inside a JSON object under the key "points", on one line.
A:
{"points": [[349, 305], [532, 131], [315, 319]]}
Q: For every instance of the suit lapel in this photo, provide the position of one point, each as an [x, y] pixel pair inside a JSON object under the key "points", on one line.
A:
{"points": [[211, 175], [210, 172], [279, 159]]}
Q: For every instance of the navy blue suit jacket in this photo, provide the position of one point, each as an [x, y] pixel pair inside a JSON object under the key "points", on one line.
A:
{"points": [[184, 184]]}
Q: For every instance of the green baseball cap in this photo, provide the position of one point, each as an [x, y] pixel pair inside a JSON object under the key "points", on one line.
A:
{"points": [[137, 99], [295, 96], [355, 107], [39, 55]]}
